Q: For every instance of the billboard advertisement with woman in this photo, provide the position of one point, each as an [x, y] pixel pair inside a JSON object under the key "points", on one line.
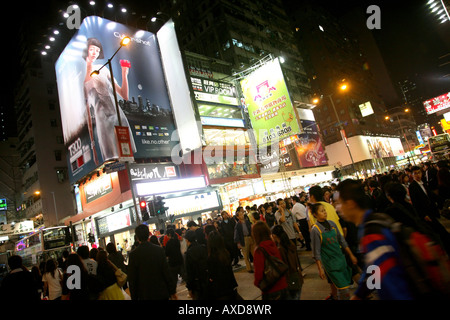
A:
{"points": [[89, 112]]}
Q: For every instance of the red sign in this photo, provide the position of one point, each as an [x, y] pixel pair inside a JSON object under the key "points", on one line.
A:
{"points": [[124, 142], [437, 104]]}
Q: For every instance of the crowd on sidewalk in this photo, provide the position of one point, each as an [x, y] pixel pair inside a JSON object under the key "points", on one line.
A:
{"points": [[360, 234]]}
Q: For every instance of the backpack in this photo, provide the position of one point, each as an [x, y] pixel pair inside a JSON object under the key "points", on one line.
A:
{"points": [[426, 264], [274, 270]]}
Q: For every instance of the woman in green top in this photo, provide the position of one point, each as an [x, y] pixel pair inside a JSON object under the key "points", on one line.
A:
{"points": [[326, 243]]}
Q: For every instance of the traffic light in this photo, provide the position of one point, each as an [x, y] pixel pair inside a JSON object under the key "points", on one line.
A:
{"points": [[160, 209], [144, 209]]}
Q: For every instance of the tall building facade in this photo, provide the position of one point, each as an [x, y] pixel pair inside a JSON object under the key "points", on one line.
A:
{"points": [[241, 32], [46, 193]]}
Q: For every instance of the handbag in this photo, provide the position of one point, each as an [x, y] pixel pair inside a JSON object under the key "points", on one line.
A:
{"points": [[120, 275], [274, 270]]}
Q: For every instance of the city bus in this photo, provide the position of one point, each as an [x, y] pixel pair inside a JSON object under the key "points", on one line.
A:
{"points": [[439, 145], [42, 245]]}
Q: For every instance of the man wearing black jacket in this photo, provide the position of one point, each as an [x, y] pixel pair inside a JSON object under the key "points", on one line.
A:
{"points": [[196, 267], [226, 229], [149, 276]]}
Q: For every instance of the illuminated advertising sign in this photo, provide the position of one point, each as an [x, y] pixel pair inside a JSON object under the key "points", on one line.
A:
{"points": [[437, 104], [310, 150], [366, 109], [209, 90], [98, 188], [3, 204], [88, 109], [268, 104], [152, 171], [193, 203], [17, 228]]}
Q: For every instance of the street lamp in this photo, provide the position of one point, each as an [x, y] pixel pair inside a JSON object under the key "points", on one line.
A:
{"points": [[342, 87], [125, 41], [38, 193]]}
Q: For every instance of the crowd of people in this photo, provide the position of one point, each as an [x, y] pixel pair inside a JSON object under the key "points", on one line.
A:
{"points": [[345, 226]]}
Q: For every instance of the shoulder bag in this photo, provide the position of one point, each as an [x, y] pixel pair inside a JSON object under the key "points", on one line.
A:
{"points": [[274, 270], [120, 275]]}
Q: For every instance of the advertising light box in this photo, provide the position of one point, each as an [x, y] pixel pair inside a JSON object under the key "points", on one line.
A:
{"points": [[437, 104], [366, 109], [269, 104], [88, 109]]}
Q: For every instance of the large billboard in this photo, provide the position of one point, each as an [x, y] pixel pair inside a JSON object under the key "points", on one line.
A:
{"points": [[269, 104], [88, 109], [437, 104]]}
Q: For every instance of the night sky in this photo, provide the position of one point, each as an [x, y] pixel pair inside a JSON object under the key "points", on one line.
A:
{"points": [[410, 39]]}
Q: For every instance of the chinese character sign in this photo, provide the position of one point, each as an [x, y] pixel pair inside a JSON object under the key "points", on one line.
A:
{"points": [[269, 104], [437, 104]]}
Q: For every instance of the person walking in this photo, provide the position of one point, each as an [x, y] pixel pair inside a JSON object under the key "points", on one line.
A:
{"points": [[89, 263], [52, 279], [327, 246], [107, 278], [116, 259], [378, 246], [173, 254], [222, 284], [286, 219], [18, 282], [264, 242], [196, 267], [270, 215], [226, 229], [243, 238], [299, 211], [80, 289], [149, 276], [288, 251]]}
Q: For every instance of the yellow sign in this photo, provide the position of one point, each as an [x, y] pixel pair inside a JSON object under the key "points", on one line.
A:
{"points": [[445, 125]]}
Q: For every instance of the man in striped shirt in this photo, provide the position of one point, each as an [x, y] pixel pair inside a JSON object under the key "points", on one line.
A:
{"points": [[382, 270]]}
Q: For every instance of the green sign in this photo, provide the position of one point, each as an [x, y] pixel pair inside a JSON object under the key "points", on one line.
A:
{"points": [[3, 205], [269, 105]]}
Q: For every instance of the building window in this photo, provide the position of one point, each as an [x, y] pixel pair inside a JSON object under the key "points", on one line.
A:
{"points": [[61, 174]]}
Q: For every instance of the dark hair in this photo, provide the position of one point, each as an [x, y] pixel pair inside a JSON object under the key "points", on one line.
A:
{"points": [[93, 253], [285, 242], [256, 215], [317, 192], [260, 232], [83, 252], [50, 267], [93, 42], [396, 191], [102, 257], [154, 239], [209, 228], [353, 190], [415, 168], [279, 200], [74, 259], [15, 262], [216, 248], [142, 232], [314, 207], [111, 248], [191, 223], [238, 209], [296, 199]]}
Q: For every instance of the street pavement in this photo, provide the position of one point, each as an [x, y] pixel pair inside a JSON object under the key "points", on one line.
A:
{"points": [[313, 288]]}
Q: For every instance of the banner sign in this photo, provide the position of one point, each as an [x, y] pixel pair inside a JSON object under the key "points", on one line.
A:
{"points": [[269, 104], [437, 104], [152, 171], [124, 142], [17, 228], [88, 109], [98, 188], [209, 90]]}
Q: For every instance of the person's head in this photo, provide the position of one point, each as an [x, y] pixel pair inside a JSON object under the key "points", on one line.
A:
{"points": [[74, 259], [261, 232], [15, 262], [50, 266], [280, 236], [395, 192], [142, 232], [111, 248], [353, 200], [225, 215], [416, 173], [209, 228], [315, 194], [318, 211], [192, 225], [190, 236], [83, 252], [93, 253], [326, 194], [154, 240], [171, 234], [65, 254], [295, 199], [281, 203], [404, 178], [216, 247], [261, 209], [94, 50], [268, 208], [255, 215], [102, 257]]}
